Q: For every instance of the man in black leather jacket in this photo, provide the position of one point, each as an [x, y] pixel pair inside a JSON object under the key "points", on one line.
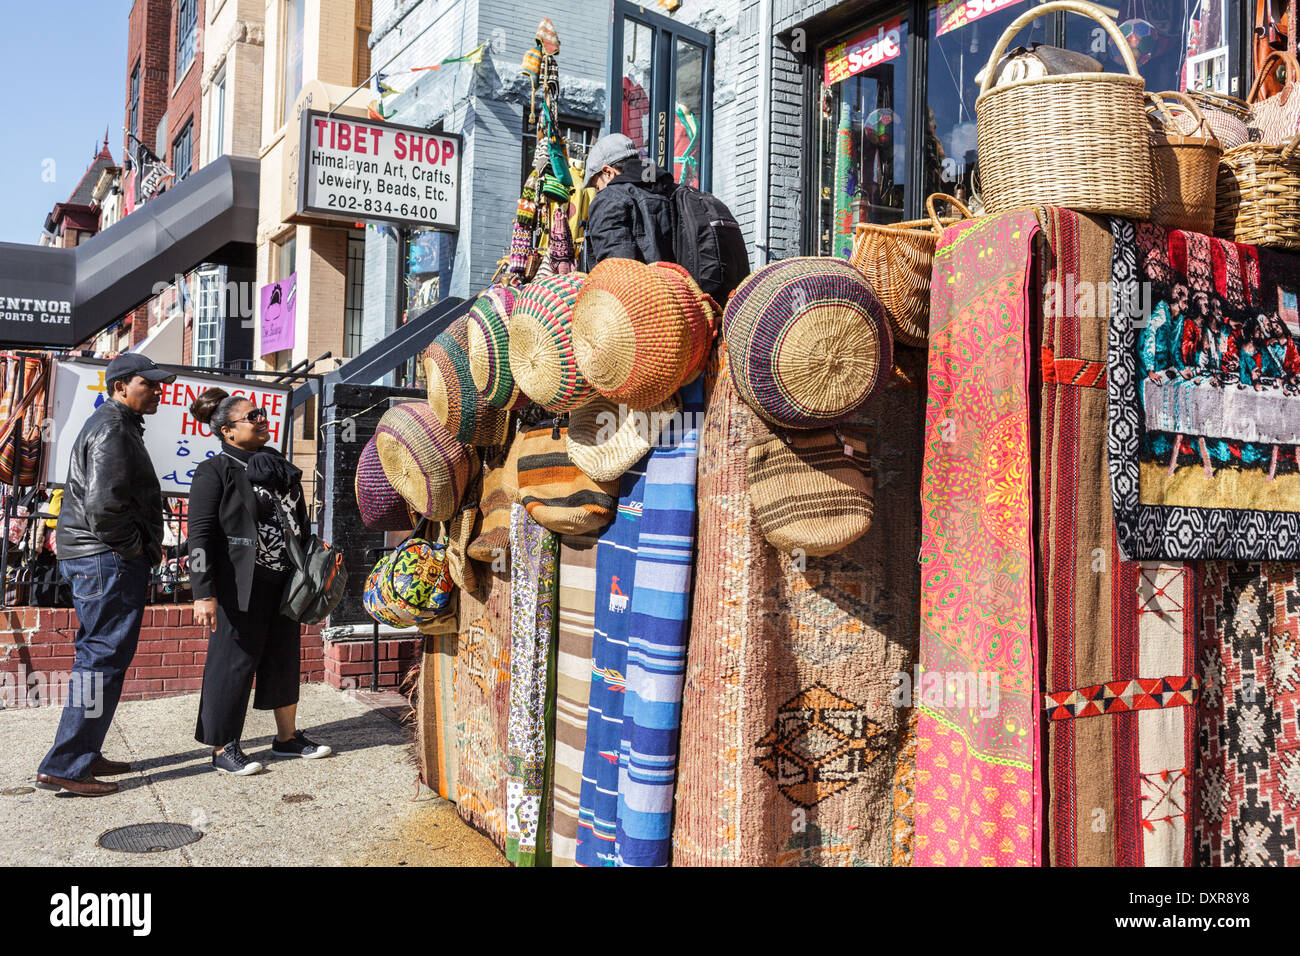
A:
{"points": [[109, 537]]}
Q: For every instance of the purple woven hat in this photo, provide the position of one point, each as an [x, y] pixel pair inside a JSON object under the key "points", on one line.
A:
{"points": [[381, 507], [808, 342]]}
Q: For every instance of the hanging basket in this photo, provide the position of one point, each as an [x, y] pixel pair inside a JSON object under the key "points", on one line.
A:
{"points": [[1259, 195], [1078, 140], [1185, 166], [896, 259]]}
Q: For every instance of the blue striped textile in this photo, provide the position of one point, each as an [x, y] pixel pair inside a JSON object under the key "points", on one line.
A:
{"points": [[615, 567], [656, 657]]}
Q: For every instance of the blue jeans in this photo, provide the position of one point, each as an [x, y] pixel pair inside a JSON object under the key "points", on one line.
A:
{"points": [[109, 593]]}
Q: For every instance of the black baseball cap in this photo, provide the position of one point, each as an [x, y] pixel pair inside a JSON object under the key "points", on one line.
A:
{"points": [[133, 363]]}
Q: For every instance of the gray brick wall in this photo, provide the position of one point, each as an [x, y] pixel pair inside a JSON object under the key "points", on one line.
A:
{"points": [[492, 119]]}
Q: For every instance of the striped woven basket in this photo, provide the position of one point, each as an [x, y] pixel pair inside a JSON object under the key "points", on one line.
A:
{"points": [[424, 463], [702, 316], [808, 341], [381, 507], [542, 358], [489, 348], [630, 333], [452, 395]]}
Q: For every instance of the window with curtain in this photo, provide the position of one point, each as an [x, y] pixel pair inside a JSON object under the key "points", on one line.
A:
{"points": [[187, 35], [861, 173], [207, 320], [295, 14]]}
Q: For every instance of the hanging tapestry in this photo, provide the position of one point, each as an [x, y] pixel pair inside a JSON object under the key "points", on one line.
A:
{"points": [[1119, 635], [657, 631], [1248, 779], [576, 619], [482, 706], [615, 572], [977, 781], [792, 740], [534, 558], [1204, 390]]}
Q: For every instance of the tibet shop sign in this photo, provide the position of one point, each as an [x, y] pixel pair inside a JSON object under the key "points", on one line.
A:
{"points": [[353, 170], [864, 51]]}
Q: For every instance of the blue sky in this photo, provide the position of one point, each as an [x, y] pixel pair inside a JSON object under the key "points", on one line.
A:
{"points": [[64, 64]]}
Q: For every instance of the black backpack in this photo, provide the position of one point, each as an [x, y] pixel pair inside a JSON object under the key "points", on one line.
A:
{"points": [[708, 242]]}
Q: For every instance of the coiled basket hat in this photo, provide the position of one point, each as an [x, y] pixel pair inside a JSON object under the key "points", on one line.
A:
{"points": [[630, 333], [701, 313], [381, 507], [489, 348], [541, 343], [452, 395], [424, 463], [808, 342], [605, 438]]}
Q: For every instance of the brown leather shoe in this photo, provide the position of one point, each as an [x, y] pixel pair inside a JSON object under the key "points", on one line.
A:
{"points": [[89, 787], [103, 767]]}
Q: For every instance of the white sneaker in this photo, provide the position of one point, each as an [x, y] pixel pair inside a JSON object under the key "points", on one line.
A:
{"points": [[233, 760]]}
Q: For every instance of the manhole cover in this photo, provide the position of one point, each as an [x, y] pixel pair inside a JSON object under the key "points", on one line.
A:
{"points": [[297, 797], [148, 837], [18, 791]]}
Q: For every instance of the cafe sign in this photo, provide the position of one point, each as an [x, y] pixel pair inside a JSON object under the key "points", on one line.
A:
{"points": [[864, 51], [354, 170]]}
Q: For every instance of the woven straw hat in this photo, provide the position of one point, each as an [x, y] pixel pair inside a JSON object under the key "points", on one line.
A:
{"points": [[541, 343], [808, 342], [381, 507], [452, 394], [630, 333], [605, 439], [701, 312], [489, 348], [425, 464]]}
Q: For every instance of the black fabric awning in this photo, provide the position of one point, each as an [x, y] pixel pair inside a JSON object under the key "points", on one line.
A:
{"points": [[58, 298]]}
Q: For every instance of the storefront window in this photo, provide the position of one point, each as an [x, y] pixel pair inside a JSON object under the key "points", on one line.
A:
{"points": [[1178, 44], [207, 319], [688, 66], [960, 46], [638, 61], [862, 170], [665, 75]]}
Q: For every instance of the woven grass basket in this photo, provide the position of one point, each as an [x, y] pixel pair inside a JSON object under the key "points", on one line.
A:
{"points": [[1259, 195], [1078, 140], [541, 343], [423, 462], [1227, 117], [1185, 165], [896, 259]]}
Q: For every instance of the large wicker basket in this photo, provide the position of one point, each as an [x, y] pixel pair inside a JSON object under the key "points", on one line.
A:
{"points": [[1185, 165], [1259, 195], [896, 259], [1079, 140]]}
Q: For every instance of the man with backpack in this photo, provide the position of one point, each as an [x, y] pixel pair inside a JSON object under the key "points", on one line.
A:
{"points": [[647, 217]]}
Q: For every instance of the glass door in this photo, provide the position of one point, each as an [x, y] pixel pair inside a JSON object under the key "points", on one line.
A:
{"points": [[661, 82]]}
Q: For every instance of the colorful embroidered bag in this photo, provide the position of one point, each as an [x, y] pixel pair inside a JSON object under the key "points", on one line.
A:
{"points": [[412, 586]]}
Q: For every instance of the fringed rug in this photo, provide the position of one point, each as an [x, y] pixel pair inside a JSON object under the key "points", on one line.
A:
{"points": [[1119, 635], [978, 799], [1248, 779], [790, 737], [435, 715], [482, 706]]}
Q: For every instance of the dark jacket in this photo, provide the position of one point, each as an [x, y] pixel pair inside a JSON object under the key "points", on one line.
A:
{"points": [[112, 500], [222, 541], [630, 219]]}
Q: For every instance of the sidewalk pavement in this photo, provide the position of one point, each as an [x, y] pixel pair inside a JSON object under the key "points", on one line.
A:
{"points": [[359, 808]]}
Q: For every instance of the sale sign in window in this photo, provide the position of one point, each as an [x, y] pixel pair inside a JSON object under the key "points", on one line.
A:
{"points": [[862, 52], [955, 14]]}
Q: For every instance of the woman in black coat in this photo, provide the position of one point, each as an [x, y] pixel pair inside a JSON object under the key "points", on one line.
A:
{"points": [[242, 504]]}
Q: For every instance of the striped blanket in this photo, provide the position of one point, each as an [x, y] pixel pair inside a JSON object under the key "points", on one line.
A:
{"points": [[615, 570], [659, 627]]}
